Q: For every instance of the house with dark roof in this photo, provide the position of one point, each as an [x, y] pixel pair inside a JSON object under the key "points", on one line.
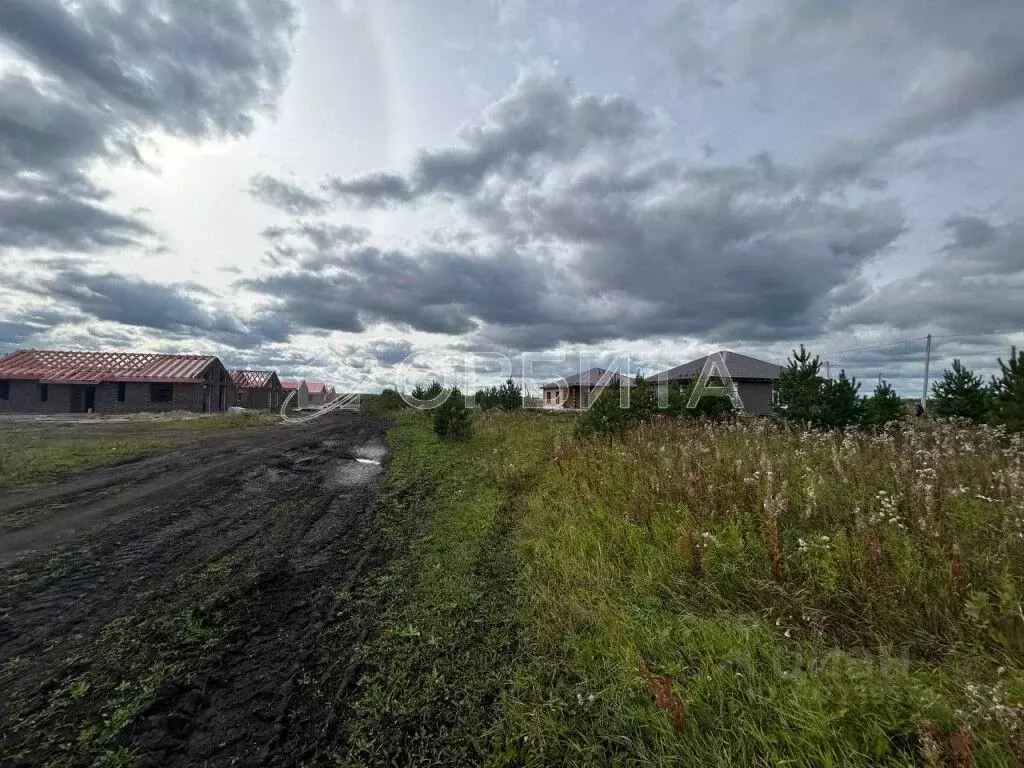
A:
{"points": [[257, 390], [580, 389], [55, 381], [755, 379]]}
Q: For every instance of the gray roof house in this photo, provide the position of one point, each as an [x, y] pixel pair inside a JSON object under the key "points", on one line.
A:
{"points": [[755, 379]]}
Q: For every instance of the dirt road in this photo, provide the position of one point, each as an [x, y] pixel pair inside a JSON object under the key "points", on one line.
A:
{"points": [[194, 608]]}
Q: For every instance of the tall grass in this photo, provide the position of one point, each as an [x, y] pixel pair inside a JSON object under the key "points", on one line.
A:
{"points": [[744, 593]]}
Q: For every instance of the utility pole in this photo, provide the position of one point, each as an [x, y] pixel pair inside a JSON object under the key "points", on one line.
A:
{"points": [[927, 363], [828, 370]]}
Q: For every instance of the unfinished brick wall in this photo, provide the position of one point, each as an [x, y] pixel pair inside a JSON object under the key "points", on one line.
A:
{"points": [[25, 398], [263, 399]]}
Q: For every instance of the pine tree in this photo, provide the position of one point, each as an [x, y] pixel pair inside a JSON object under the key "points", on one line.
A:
{"points": [[677, 399], [841, 405], [487, 398], [605, 417], [643, 400], [883, 406], [801, 388], [1007, 393], [510, 396], [960, 393], [452, 419], [429, 393]]}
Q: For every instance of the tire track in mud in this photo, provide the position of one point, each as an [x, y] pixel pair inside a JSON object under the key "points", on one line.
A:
{"points": [[225, 570]]}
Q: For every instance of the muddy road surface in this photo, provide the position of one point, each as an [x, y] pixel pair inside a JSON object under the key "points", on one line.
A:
{"points": [[196, 608]]}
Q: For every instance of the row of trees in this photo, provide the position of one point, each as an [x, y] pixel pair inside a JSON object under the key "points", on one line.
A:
{"points": [[507, 397], [960, 392], [805, 396]]}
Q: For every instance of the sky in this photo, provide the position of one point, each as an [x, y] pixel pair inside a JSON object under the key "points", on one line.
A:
{"points": [[326, 187]]}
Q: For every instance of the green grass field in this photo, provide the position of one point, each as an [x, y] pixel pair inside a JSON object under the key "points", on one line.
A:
{"points": [[701, 594]]}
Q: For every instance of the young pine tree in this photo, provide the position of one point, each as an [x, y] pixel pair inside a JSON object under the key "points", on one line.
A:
{"points": [[605, 417], [801, 387], [841, 405], [429, 393], [1007, 393], [452, 419], [486, 398], [643, 400], [960, 393], [883, 406], [510, 396]]}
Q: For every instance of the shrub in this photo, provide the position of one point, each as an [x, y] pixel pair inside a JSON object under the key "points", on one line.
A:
{"points": [[605, 417], [452, 419], [708, 405]]}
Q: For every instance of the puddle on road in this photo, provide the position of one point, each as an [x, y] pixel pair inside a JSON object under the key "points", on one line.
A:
{"points": [[370, 453], [349, 472], [359, 466]]}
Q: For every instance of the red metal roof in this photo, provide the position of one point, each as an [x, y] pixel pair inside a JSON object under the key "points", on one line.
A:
{"points": [[252, 379], [316, 387], [60, 367], [290, 384]]}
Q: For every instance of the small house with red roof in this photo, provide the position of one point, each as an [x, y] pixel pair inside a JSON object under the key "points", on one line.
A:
{"points": [[299, 392], [317, 393]]}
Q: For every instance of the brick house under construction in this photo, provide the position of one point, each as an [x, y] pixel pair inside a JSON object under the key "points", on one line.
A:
{"points": [[257, 390], [51, 382]]}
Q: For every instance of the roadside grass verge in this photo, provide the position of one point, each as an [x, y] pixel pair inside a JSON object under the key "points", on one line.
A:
{"points": [[32, 454], [38, 460], [699, 594], [445, 654], [188, 422]]}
